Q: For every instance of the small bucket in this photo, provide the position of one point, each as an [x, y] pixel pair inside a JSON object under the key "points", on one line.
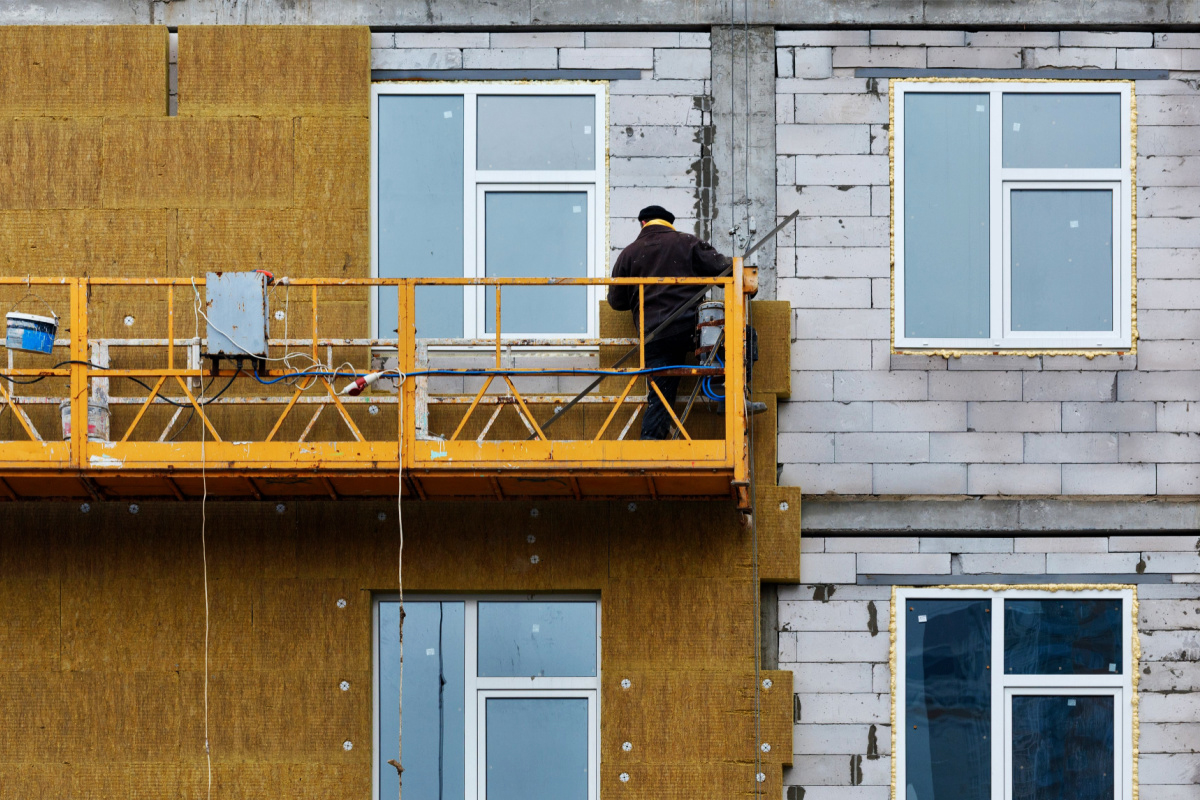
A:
{"points": [[30, 332], [98, 421]]}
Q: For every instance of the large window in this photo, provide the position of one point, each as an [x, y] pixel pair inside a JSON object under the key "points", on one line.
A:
{"points": [[1012, 215], [1014, 695], [489, 180], [500, 698]]}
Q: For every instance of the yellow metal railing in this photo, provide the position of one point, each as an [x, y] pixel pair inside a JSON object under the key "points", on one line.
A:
{"points": [[251, 426]]}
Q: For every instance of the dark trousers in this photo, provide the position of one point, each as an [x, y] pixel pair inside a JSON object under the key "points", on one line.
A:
{"points": [[666, 351]]}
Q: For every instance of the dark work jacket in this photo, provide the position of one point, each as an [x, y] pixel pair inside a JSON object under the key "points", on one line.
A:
{"points": [[660, 252]]}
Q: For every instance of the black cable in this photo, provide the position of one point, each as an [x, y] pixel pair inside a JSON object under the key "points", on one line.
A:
{"points": [[139, 382]]}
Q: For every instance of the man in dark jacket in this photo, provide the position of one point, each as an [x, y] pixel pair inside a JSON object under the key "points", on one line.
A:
{"points": [[662, 252]]}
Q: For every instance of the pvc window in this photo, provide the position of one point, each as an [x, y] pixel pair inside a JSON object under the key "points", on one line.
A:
{"points": [[1014, 694], [1012, 212], [500, 698], [489, 180]]}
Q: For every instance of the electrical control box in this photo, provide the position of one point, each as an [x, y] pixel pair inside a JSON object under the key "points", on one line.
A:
{"points": [[236, 309]]}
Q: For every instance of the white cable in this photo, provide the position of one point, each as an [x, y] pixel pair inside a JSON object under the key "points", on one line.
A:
{"points": [[400, 581], [203, 539]]}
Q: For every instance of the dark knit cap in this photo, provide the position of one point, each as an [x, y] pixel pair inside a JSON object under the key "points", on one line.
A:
{"points": [[655, 212]]}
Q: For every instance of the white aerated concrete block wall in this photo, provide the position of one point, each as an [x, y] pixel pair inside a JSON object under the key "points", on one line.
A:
{"points": [[834, 636], [863, 421], [659, 125]]}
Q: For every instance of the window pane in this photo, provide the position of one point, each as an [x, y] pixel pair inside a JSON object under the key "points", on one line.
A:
{"points": [[536, 235], [537, 132], [1062, 747], [946, 227], [1062, 260], [1062, 637], [523, 640], [948, 706], [421, 207], [434, 638], [537, 749], [1062, 130]]}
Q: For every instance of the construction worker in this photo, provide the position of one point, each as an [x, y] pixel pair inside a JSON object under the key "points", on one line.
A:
{"points": [[660, 251]]}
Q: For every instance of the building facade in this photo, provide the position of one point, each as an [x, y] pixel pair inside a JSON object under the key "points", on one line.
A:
{"points": [[983, 403]]}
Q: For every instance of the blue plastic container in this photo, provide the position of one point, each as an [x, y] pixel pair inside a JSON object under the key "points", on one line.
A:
{"points": [[30, 332]]}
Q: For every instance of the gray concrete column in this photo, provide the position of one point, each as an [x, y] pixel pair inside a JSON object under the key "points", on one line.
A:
{"points": [[743, 140]]}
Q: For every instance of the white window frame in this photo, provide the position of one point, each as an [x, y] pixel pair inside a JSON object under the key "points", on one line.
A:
{"points": [[478, 689], [1003, 687], [521, 180], [1001, 182]]}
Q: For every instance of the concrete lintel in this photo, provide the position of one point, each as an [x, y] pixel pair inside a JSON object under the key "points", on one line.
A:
{"points": [[1019, 74], [999, 515], [507, 74], [1016, 579]]}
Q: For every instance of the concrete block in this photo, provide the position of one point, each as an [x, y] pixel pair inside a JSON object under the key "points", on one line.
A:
{"points": [[1168, 676], [812, 544], [851, 386], [378, 41], [1070, 448], [538, 39], [839, 739], [417, 59], [976, 447], [845, 709], [1097, 386], [1003, 563], [1178, 416], [1191, 60], [1185, 563], [1153, 707], [655, 140], [881, 681], [920, 416], [1170, 646], [908, 479], [635, 39], [882, 447], [1167, 262], [842, 323], [609, 58], [653, 110], [1061, 544], [812, 62], [813, 677], [815, 386], [812, 448], [1106, 39], [833, 38], [1106, 363], [660, 87], [839, 85], [847, 262], [1125, 417], [809, 200], [1020, 479], [1181, 543], [1178, 769], [806, 293], [695, 39], [1164, 140], [1004, 416], [874, 544], [652, 171], [823, 139], [881, 197], [1081, 563], [515, 58], [1150, 448], [831, 109], [984, 362], [836, 615], [904, 563], [882, 357], [1175, 479], [991, 386], [1168, 170], [911, 38], [1167, 232], [1166, 201], [988, 544], [678, 63], [1109, 479], [974, 57], [831, 354], [912, 57], [784, 63], [822, 417], [785, 171], [1012, 38], [1070, 57], [841, 170], [785, 109], [1157, 58], [836, 647], [442, 40], [831, 771], [1161, 737], [817, 479], [1160, 386], [1176, 354], [1191, 40]]}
